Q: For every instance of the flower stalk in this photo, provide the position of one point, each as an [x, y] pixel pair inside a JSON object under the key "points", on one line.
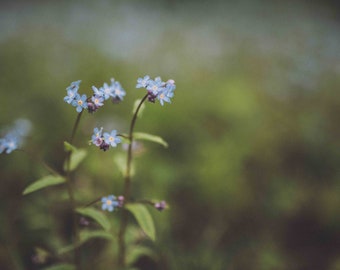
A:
{"points": [[127, 189], [75, 231]]}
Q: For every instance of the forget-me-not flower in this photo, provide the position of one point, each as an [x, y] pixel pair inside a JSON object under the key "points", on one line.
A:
{"points": [[118, 91], [98, 101], [72, 91], [155, 86], [80, 102], [107, 91], [111, 138], [157, 89], [97, 137], [14, 137], [109, 203], [143, 82]]}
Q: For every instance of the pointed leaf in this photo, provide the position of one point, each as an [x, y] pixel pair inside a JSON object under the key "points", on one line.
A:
{"points": [[87, 235], [77, 156], [69, 147], [49, 180], [149, 137], [134, 252], [96, 215], [143, 218], [63, 266], [84, 236]]}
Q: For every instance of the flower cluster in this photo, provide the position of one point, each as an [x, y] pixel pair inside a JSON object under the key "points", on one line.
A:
{"points": [[114, 91], [157, 89], [14, 137], [110, 202], [105, 140]]}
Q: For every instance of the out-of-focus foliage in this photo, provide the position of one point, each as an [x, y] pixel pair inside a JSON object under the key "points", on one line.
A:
{"points": [[251, 173]]}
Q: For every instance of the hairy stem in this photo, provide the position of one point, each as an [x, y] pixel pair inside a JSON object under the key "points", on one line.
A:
{"points": [[127, 190]]}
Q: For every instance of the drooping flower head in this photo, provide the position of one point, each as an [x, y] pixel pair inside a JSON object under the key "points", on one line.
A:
{"points": [[109, 203]]}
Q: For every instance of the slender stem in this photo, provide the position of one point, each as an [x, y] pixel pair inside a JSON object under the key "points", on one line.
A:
{"points": [[127, 190], [71, 195]]}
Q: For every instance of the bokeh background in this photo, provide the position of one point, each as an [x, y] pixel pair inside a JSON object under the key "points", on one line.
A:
{"points": [[252, 169]]}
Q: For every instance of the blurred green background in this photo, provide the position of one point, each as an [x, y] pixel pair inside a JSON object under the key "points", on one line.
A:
{"points": [[252, 169]]}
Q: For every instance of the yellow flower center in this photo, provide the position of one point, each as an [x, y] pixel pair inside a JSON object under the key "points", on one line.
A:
{"points": [[108, 202], [80, 102]]}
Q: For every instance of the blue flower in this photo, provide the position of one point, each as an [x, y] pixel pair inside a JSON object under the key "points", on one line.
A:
{"points": [[108, 91], [111, 138], [155, 86], [143, 82], [118, 90], [109, 203], [97, 100], [80, 102], [97, 137], [164, 95], [74, 85], [98, 92], [15, 136], [170, 85], [72, 91], [12, 142]]}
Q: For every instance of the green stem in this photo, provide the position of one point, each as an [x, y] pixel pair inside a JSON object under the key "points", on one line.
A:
{"points": [[71, 193], [127, 190]]}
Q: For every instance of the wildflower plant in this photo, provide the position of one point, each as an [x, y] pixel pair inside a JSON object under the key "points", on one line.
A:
{"points": [[100, 208]]}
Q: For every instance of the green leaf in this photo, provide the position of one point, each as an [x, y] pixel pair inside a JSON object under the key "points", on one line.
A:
{"points": [[135, 106], [149, 137], [134, 252], [77, 156], [63, 266], [143, 218], [68, 248], [85, 236], [96, 215], [49, 180], [69, 147]]}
